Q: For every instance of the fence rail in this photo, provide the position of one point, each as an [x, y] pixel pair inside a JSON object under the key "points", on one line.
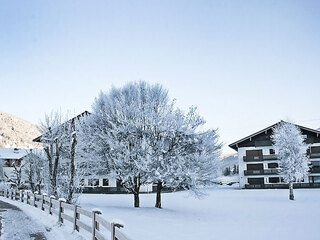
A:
{"points": [[96, 225]]}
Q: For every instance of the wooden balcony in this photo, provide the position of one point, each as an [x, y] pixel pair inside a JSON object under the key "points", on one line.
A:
{"points": [[315, 170], [260, 158], [314, 155], [272, 171], [282, 185]]}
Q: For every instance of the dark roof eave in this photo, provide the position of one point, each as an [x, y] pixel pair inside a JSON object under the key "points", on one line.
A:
{"points": [[38, 139], [235, 144]]}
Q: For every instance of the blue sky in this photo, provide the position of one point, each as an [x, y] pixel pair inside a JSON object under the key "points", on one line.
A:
{"points": [[245, 64]]}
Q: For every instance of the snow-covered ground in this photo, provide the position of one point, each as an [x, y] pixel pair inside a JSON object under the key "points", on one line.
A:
{"points": [[226, 213]]}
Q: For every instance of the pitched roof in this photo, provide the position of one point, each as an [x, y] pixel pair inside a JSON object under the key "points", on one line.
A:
{"points": [[235, 144], [13, 153], [85, 113]]}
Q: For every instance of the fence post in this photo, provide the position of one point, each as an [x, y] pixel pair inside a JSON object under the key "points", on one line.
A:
{"points": [[61, 209], [28, 197], [75, 217], [113, 229], [42, 202], [50, 204], [94, 223], [35, 199]]}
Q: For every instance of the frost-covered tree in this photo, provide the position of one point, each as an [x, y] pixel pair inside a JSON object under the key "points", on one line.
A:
{"points": [[184, 156], [34, 169], [15, 176], [75, 162], [118, 131], [289, 142], [140, 137], [52, 143], [64, 165]]}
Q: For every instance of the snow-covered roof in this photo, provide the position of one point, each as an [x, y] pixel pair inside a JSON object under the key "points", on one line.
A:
{"points": [[13, 153]]}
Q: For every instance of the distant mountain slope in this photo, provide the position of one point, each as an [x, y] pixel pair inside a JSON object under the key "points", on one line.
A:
{"points": [[16, 132], [229, 161]]}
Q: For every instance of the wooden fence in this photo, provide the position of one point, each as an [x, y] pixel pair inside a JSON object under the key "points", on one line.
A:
{"points": [[68, 212]]}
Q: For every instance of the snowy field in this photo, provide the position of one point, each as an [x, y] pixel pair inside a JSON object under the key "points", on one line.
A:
{"points": [[226, 213]]}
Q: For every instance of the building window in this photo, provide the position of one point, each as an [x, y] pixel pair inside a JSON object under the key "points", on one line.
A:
{"points": [[256, 181], [274, 180], [316, 164], [273, 165], [105, 182], [255, 166], [93, 182], [8, 163], [315, 149], [314, 179], [18, 162], [254, 154], [272, 152]]}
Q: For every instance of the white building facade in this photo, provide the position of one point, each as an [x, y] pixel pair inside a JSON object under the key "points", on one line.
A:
{"points": [[259, 164], [8, 158]]}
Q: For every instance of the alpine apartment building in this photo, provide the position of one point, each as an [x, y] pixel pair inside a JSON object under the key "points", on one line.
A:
{"points": [[259, 164]]}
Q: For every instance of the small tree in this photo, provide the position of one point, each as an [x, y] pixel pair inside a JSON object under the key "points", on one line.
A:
{"points": [[226, 171], [183, 156], [117, 129], [34, 169], [15, 177], [51, 139], [64, 164], [288, 140]]}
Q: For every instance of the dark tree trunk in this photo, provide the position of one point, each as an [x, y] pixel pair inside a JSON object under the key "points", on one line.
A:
{"points": [[136, 191], [291, 196], [136, 200], [30, 178], [158, 197], [55, 169], [72, 165]]}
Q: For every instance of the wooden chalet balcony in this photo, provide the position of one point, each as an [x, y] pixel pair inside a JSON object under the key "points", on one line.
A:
{"points": [[261, 172], [314, 155], [282, 185], [315, 170], [260, 158]]}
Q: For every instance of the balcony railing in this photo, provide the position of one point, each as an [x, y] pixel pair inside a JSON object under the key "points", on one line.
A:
{"points": [[315, 170], [260, 158], [262, 172], [282, 185], [314, 155]]}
